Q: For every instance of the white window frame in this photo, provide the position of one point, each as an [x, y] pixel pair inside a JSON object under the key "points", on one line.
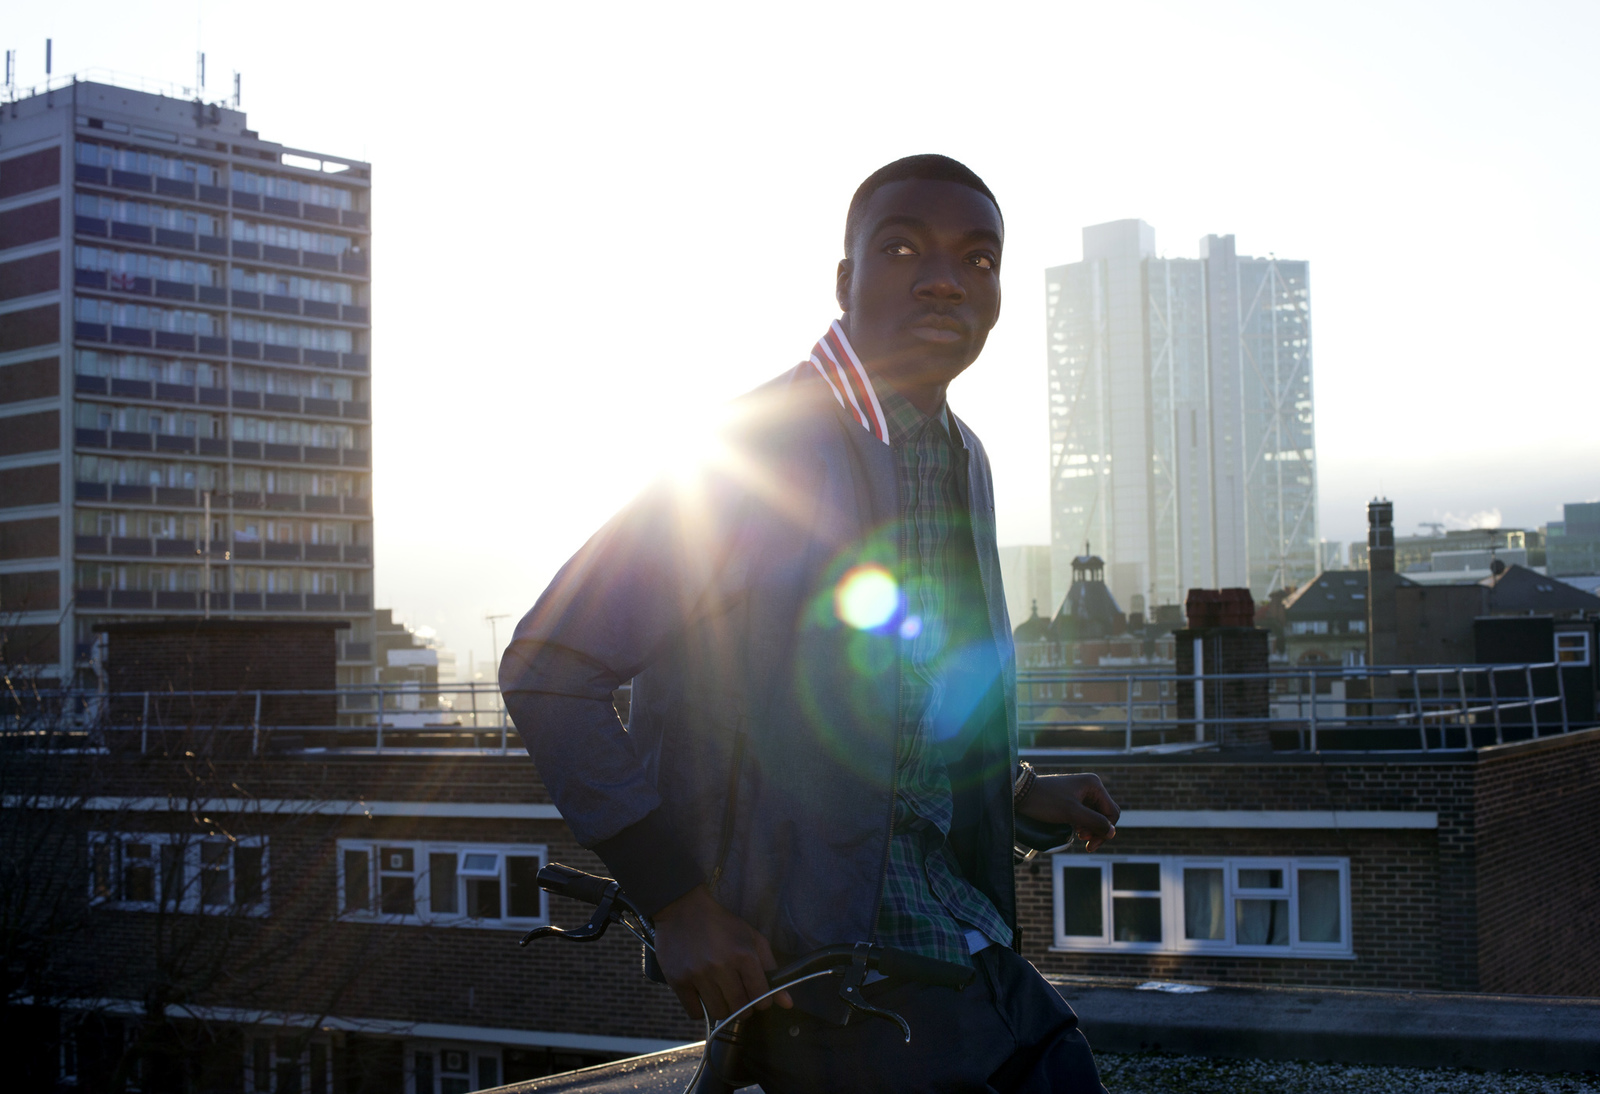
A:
{"points": [[257, 1082], [423, 913], [1172, 906], [189, 899], [474, 1055], [1572, 642]]}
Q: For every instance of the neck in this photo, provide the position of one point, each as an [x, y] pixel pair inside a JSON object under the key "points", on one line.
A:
{"points": [[911, 378], [925, 394]]}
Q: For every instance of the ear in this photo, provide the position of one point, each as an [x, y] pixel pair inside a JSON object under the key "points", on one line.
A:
{"points": [[841, 287]]}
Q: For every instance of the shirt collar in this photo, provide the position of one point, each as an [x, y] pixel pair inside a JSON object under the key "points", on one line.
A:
{"points": [[836, 362], [879, 409]]}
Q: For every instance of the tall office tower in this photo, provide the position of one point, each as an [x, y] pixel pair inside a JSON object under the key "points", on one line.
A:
{"points": [[184, 385], [1181, 426]]}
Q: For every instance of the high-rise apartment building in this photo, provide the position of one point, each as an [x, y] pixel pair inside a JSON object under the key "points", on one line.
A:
{"points": [[184, 382], [1181, 426]]}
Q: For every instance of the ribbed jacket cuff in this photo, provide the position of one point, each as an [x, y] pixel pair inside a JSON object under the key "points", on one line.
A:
{"points": [[649, 862]]}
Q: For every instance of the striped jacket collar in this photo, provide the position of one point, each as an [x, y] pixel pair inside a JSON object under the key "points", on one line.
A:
{"points": [[836, 362]]}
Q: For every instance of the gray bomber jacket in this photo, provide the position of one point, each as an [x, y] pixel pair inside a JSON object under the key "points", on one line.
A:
{"points": [[760, 751]]}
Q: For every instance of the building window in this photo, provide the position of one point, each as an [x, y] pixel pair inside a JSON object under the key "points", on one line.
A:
{"points": [[1266, 907], [1572, 647], [289, 1063], [153, 871], [452, 1068], [442, 884]]}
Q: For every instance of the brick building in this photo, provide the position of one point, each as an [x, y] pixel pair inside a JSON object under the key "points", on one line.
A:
{"points": [[340, 914]]}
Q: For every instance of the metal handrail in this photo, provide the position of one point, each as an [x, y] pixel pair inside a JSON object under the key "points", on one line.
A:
{"points": [[1099, 710]]}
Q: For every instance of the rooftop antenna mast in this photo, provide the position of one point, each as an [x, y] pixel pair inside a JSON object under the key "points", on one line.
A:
{"points": [[200, 74], [236, 90], [494, 638], [47, 44], [11, 71]]}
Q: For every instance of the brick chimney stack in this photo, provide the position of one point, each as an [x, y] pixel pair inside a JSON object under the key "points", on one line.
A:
{"points": [[1382, 636]]}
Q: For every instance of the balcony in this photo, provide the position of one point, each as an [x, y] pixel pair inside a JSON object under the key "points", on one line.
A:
{"points": [[176, 188], [184, 343], [130, 180], [190, 600], [177, 393], [176, 445], [178, 241], [132, 442], [131, 233]]}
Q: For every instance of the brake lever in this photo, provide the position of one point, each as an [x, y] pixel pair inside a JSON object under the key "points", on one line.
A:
{"points": [[854, 979], [588, 932]]}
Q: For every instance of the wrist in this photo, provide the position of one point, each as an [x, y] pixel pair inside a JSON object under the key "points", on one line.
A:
{"points": [[689, 903], [1027, 777]]}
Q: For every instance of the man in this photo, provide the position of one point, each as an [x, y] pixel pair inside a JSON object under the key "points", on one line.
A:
{"points": [[822, 739]]}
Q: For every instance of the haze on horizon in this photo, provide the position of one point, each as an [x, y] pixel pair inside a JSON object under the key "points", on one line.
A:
{"points": [[592, 226]]}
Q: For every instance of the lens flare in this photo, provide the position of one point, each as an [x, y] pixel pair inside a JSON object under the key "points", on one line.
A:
{"points": [[866, 597]]}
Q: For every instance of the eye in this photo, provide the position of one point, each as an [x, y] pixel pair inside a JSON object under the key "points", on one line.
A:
{"points": [[898, 247], [982, 261]]}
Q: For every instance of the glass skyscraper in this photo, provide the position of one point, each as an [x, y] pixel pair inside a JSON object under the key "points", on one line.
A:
{"points": [[1181, 424]]}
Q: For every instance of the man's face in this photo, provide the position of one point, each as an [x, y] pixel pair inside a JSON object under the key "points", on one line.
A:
{"points": [[920, 289]]}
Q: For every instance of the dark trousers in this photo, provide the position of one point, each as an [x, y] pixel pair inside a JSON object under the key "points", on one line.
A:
{"points": [[1007, 1032]]}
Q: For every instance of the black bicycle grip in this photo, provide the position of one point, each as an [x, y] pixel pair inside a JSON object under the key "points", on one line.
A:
{"points": [[926, 970], [1042, 835], [565, 881]]}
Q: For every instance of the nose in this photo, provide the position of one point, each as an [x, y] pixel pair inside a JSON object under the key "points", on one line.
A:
{"points": [[939, 283]]}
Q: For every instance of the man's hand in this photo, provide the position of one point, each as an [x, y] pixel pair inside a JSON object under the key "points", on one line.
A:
{"points": [[1078, 800], [711, 956]]}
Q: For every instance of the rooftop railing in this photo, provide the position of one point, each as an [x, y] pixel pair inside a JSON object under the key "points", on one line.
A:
{"points": [[1141, 709], [1340, 708], [387, 719]]}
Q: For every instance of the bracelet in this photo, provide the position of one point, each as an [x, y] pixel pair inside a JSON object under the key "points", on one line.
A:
{"points": [[1026, 776]]}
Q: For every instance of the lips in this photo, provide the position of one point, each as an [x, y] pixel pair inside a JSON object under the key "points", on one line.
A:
{"points": [[938, 328]]}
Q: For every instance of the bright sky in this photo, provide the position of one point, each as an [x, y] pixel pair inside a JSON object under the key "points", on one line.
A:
{"points": [[592, 222]]}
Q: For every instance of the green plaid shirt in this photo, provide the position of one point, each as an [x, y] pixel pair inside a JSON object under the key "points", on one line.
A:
{"points": [[928, 906]]}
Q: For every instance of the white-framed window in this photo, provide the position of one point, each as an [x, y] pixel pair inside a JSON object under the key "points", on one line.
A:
{"points": [[288, 1063], [160, 871], [438, 1068], [1255, 907], [442, 884], [1572, 647]]}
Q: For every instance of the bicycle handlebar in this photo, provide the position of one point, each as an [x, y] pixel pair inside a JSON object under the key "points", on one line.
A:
{"points": [[593, 889], [565, 881]]}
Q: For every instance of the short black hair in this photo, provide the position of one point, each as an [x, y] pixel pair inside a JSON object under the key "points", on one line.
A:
{"points": [[929, 166]]}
